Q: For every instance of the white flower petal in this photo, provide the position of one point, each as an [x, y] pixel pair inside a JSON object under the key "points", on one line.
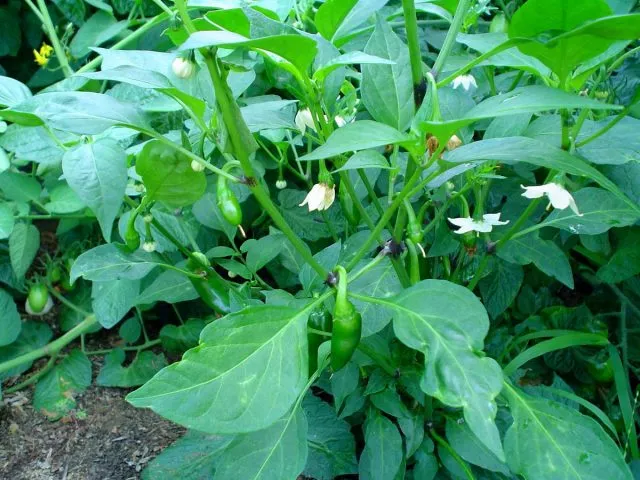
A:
{"points": [[558, 196], [320, 197], [493, 219], [534, 192], [465, 224]]}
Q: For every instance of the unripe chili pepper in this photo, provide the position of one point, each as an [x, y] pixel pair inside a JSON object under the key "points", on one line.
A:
{"points": [[131, 236], [319, 319], [211, 287], [228, 202], [349, 210], [347, 325]]}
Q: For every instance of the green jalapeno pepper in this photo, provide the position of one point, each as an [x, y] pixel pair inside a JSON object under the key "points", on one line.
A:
{"points": [[347, 325], [319, 319], [228, 203], [211, 287]]}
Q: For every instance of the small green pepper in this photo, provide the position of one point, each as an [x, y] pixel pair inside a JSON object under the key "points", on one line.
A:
{"points": [[600, 370], [347, 325], [228, 203], [212, 288], [319, 319]]}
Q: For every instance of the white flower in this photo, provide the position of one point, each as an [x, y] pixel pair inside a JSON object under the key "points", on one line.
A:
{"points": [[149, 246], [47, 308], [197, 166], [182, 67], [467, 81], [468, 224], [557, 195], [320, 197], [340, 121], [304, 120], [280, 184]]}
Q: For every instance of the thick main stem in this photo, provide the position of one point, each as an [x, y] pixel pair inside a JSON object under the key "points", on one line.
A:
{"points": [[411, 26], [450, 39], [55, 42]]}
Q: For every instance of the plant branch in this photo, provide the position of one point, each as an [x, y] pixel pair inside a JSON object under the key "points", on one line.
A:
{"points": [[61, 55], [450, 39], [411, 26]]}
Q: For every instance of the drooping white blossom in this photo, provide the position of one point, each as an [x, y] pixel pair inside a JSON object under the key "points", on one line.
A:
{"points": [[320, 197], [466, 81], [558, 196], [468, 224], [182, 67]]}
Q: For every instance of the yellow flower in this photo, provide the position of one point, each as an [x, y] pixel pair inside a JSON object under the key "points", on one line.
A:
{"points": [[42, 56]]}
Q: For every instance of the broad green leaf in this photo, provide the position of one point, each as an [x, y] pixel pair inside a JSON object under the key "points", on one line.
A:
{"points": [[426, 467], [337, 18], [332, 448], [600, 210], [83, 113], [24, 242], [542, 20], [6, 221], [98, 29], [448, 324], [170, 286], [626, 177], [246, 373], [270, 114], [179, 338], [279, 451], [500, 287], [10, 323], [208, 214], [308, 225], [143, 367], [382, 454], [359, 135], [12, 92], [20, 187], [168, 176], [380, 281], [34, 144], [111, 300], [365, 159], [625, 262], [108, 262], [521, 149], [55, 393], [296, 49], [62, 199], [343, 383], [467, 445], [387, 90], [193, 457], [530, 99], [328, 258], [261, 251], [348, 58], [130, 330], [550, 441], [32, 336], [97, 172], [73, 10], [544, 254]]}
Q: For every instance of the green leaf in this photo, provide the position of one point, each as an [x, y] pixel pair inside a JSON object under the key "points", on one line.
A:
{"points": [[625, 262], [20, 187], [11, 37], [530, 99], [549, 441], [380, 281], [279, 451], [111, 300], [521, 149], [54, 395], [168, 176], [97, 172], [382, 454], [426, 467], [7, 221], [270, 114], [296, 49], [108, 262], [365, 159], [261, 251], [193, 457], [337, 18], [328, 258], [73, 10], [10, 323], [448, 324], [332, 448], [308, 225], [170, 287], [24, 243], [144, 366], [600, 210], [12, 92], [387, 90], [98, 29], [343, 383], [208, 214], [32, 336], [246, 373], [500, 287], [467, 445], [34, 144], [63, 200], [130, 330], [541, 20], [348, 58], [359, 135], [179, 338], [544, 254]]}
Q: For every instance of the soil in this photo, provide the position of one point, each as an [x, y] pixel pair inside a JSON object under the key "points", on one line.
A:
{"points": [[105, 438]]}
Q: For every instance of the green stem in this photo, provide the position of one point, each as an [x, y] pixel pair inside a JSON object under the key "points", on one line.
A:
{"points": [[414, 265], [52, 348], [136, 348], [450, 39], [52, 217], [411, 26], [444, 444], [604, 129], [35, 377], [55, 41], [66, 302]]}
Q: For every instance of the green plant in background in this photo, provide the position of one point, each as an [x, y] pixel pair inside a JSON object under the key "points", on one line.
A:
{"points": [[480, 263]]}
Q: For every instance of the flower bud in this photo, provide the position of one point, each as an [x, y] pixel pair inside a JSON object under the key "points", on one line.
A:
{"points": [[453, 143], [280, 184], [149, 247], [197, 166], [148, 218], [182, 67]]}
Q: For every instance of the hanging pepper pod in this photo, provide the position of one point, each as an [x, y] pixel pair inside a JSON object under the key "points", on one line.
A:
{"points": [[349, 210], [131, 235], [211, 287], [347, 325], [228, 202], [319, 319], [414, 229]]}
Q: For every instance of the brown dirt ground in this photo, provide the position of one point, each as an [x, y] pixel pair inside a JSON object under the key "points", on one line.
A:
{"points": [[104, 438]]}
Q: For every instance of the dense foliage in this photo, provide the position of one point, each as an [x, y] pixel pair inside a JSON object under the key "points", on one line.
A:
{"points": [[391, 239]]}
